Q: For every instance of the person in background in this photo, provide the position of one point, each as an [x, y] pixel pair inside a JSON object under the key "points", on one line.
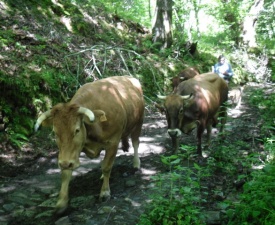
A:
{"points": [[223, 69]]}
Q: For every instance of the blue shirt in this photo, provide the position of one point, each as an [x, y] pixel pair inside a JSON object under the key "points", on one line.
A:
{"points": [[224, 70]]}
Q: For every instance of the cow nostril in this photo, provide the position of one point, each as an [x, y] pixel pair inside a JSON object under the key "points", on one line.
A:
{"points": [[66, 165], [172, 133], [71, 165]]}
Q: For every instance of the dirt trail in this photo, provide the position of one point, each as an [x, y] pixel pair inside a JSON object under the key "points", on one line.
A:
{"points": [[28, 195]]}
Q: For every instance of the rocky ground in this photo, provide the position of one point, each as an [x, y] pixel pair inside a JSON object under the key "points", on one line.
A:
{"points": [[30, 179]]}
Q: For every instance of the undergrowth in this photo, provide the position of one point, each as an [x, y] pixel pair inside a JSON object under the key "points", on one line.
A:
{"points": [[181, 193], [178, 195], [256, 204]]}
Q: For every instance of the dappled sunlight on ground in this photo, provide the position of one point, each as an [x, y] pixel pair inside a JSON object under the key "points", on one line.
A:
{"points": [[131, 189], [235, 112], [53, 171]]}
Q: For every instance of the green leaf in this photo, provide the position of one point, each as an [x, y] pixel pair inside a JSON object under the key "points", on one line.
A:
{"points": [[255, 214], [197, 166], [175, 161]]}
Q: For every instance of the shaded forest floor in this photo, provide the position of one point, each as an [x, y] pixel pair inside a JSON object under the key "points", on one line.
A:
{"points": [[30, 178]]}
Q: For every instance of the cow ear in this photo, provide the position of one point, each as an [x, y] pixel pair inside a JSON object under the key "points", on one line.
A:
{"points": [[48, 122], [99, 115]]}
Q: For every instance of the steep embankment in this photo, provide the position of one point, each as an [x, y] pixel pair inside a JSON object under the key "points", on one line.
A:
{"points": [[49, 48]]}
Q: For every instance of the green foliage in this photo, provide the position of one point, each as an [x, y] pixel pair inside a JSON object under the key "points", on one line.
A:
{"points": [[257, 204], [134, 10], [178, 195], [43, 59], [265, 103], [266, 27]]}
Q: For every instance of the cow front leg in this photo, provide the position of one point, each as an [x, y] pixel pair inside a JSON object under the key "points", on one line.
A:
{"points": [[209, 132], [174, 134], [199, 136], [175, 144], [106, 166], [63, 198]]}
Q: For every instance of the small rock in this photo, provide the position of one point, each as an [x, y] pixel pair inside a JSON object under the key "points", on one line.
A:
{"points": [[130, 183], [212, 217], [106, 209], [119, 218], [82, 201], [9, 207]]}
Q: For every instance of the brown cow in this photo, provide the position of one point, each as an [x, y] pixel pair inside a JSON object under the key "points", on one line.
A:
{"points": [[185, 74], [197, 102], [99, 115]]}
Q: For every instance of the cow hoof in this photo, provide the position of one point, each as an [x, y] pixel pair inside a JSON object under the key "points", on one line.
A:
{"points": [[104, 198], [60, 207], [59, 211], [136, 163]]}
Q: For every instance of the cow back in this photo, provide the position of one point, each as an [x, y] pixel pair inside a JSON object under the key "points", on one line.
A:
{"points": [[120, 97], [209, 89]]}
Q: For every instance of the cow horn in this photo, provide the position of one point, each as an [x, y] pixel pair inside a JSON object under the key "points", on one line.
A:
{"points": [[163, 97], [185, 97], [87, 112], [41, 118]]}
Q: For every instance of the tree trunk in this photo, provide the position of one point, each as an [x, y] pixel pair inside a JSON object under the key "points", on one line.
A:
{"points": [[250, 22], [162, 32]]}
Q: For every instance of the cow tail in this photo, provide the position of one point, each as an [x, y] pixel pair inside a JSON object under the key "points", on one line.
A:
{"points": [[125, 144]]}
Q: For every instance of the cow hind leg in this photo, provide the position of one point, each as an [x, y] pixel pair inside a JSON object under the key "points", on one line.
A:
{"points": [[135, 142], [200, 130], [209, 131], [125, 144], [175, 144]]}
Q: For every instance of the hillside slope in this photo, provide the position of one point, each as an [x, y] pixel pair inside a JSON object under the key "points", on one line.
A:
{"points": [[49, 49]]}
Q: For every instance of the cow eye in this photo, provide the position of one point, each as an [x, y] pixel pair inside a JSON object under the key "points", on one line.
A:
{"points": [[181, 111], [76, 131]]}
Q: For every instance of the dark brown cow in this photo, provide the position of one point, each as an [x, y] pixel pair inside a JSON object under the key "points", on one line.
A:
{"points": [[185, 74], [197, 102], [99, 115]]}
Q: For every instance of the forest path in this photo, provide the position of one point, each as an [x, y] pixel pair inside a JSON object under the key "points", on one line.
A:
{"points": [[28, 193]]}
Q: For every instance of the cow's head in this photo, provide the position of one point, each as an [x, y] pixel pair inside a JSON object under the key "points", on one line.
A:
{"points": [[181, 113], [68, 122]]}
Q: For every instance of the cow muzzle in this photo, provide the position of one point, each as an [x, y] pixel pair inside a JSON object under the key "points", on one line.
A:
{"points": [[174, 132], [67, 164]]}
